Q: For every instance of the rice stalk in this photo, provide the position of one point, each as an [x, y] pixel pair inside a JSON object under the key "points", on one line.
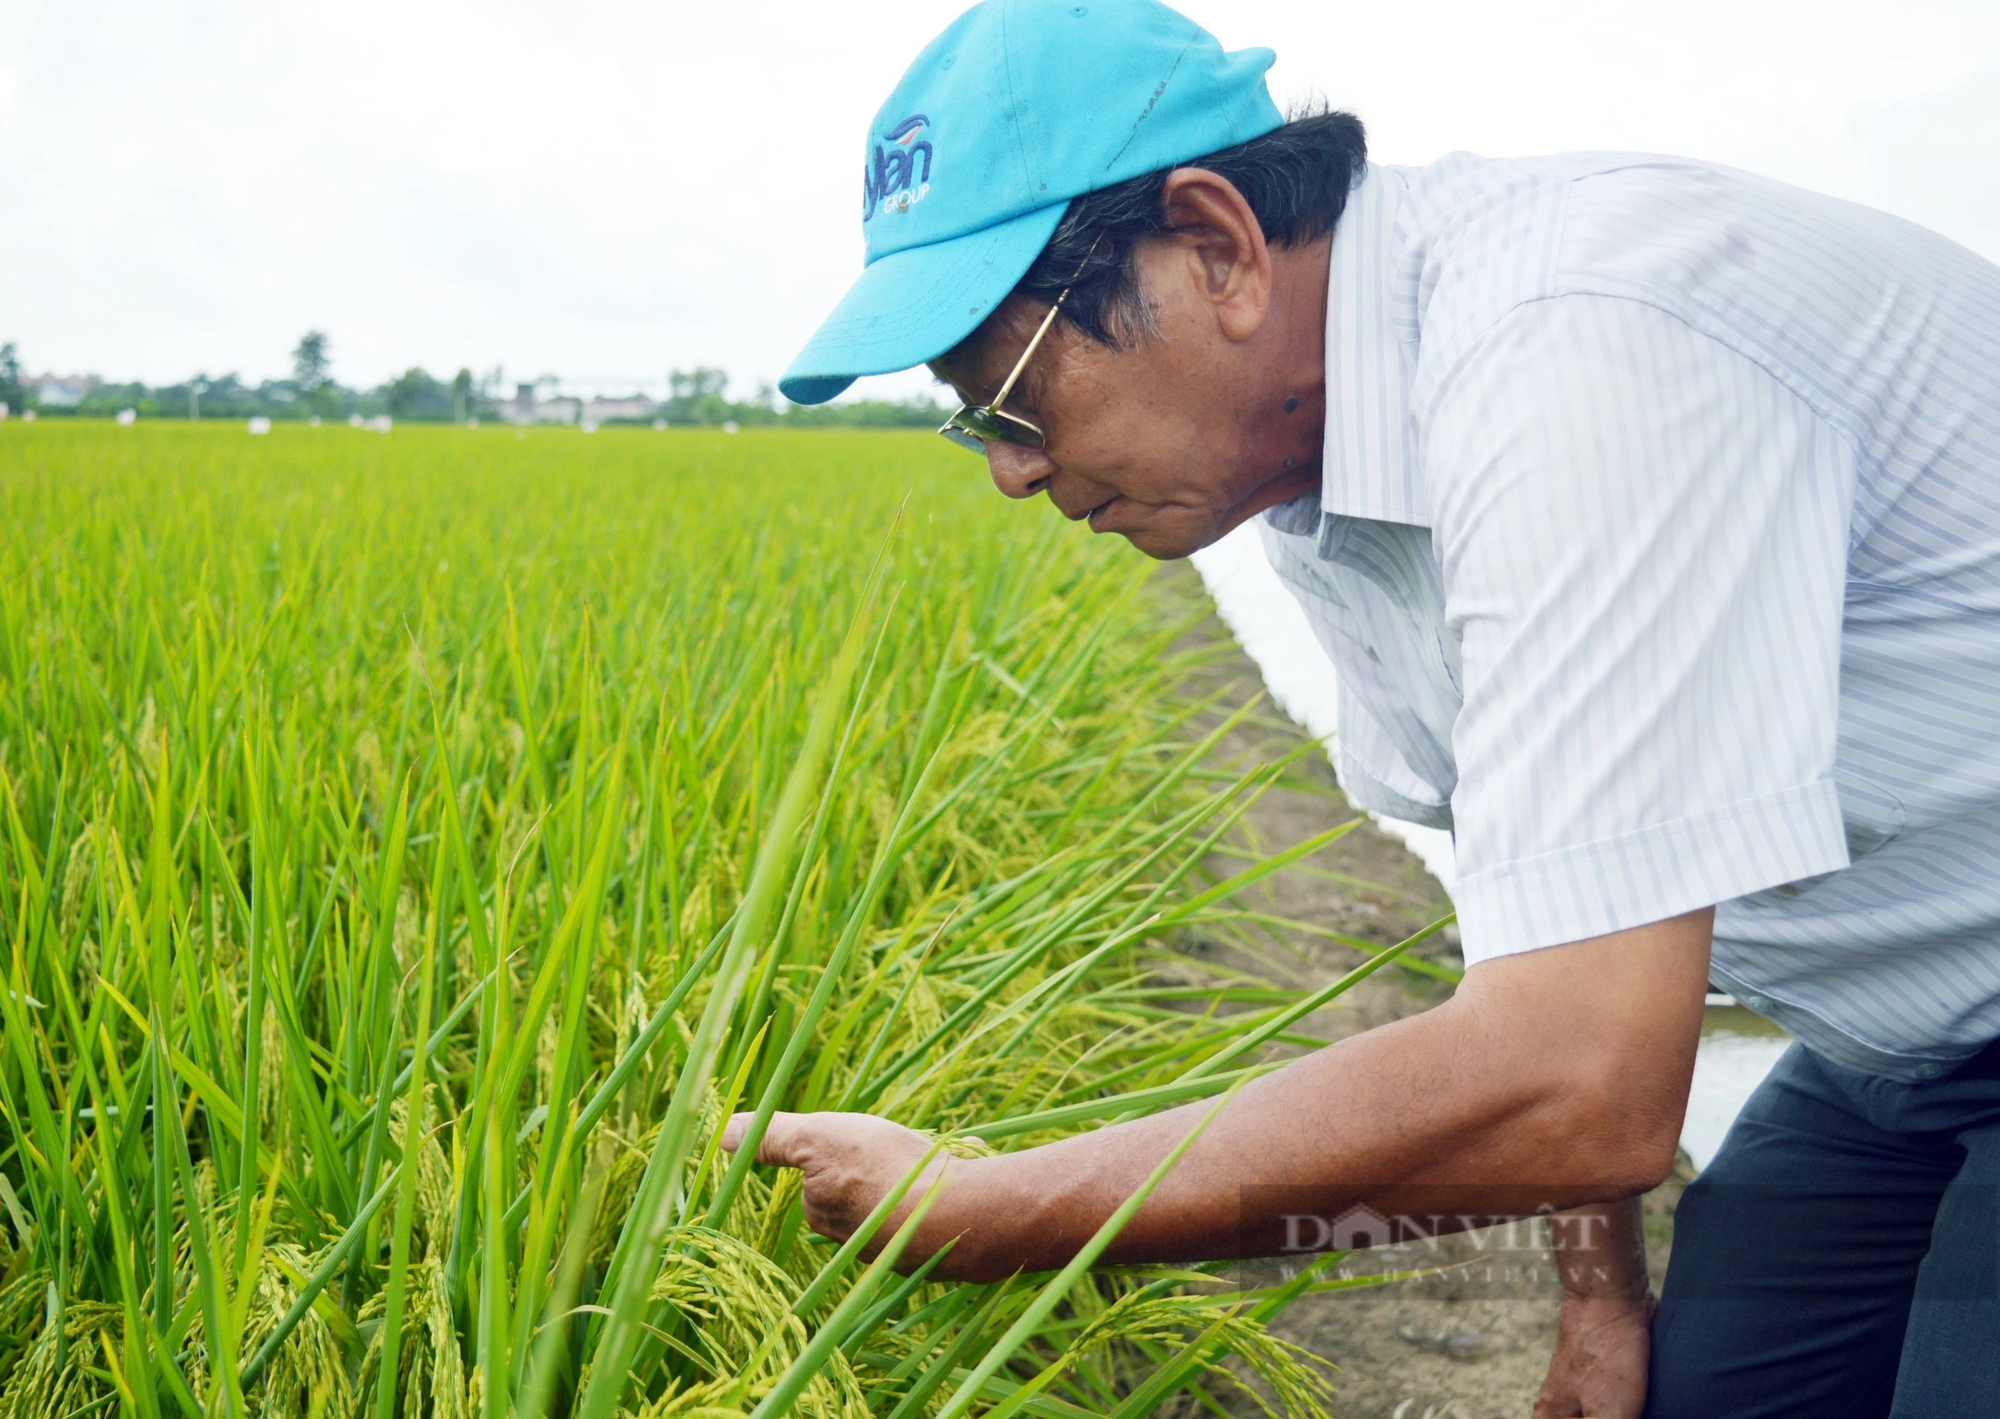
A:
{"points": [[411, 849]]}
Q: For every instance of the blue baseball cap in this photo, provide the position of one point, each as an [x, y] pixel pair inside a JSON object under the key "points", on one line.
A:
{"points": [[1015, 109]]}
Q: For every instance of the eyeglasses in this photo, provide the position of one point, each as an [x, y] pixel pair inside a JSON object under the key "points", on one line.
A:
{"points": [[975, 424]]}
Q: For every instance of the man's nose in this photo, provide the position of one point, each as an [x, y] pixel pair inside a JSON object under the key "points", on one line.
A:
{"points": [[1018, 472]]}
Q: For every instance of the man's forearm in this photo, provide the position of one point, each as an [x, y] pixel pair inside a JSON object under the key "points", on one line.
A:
{"points": [[1601, 1250], [1373, 1120], [1603, 1339], [1461, 1114]]}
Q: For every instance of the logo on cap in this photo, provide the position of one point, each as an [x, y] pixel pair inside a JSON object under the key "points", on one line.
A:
{"points": [[891, 181]]}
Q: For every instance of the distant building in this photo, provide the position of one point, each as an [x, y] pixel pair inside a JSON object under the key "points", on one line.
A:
{"points": [[530, 406], [633, 406], [62, 391]]}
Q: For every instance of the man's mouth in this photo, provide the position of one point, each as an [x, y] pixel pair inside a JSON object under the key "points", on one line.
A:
{"points": [[1093, 515]]}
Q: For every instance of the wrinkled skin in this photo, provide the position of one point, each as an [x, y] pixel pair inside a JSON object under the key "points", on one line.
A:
{"points": [[1603, 1344], [1604, 1338], [847, 1169], [1173, 441]]}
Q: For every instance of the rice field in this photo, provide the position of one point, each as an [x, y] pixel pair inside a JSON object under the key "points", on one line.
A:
{"points": [[412, 848]]}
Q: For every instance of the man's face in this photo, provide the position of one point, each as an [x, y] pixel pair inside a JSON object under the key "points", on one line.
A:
{"points": [[1165, 442]]}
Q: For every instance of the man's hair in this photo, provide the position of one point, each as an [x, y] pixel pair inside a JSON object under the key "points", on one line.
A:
{"points": [[1295, 179]]}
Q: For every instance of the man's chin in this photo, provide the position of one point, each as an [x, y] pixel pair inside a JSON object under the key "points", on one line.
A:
{"points": [[1178, 532], [1169, 543], [1163, 533]]}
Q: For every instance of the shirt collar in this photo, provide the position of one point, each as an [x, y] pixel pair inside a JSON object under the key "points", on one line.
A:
{"points": [[1371, 467]]}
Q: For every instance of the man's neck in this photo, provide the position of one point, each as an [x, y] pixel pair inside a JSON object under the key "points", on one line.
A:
{"points": [[1288, 426]]}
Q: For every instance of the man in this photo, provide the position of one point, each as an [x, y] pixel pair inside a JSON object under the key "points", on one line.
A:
{"points": [[1650, 513]]}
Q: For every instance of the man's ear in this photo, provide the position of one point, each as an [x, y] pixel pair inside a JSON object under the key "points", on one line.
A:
{"points": [[1212, 225]]}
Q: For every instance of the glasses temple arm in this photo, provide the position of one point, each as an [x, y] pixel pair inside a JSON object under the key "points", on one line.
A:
{"points": [[1047, 320], [1029, 353]]}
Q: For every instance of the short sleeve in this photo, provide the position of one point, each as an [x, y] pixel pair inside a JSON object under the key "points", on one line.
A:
{"points": [[1643, 539]]}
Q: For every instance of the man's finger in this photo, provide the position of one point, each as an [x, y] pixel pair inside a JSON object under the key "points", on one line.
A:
{"points": [[781, 1144]]}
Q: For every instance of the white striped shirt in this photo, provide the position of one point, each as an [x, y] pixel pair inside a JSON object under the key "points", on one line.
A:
{"points": [[1658, 556]]}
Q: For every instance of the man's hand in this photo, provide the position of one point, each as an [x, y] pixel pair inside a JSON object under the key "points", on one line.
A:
{"points": [[1604, 1341], [850, 1161], [1603, 1345]]}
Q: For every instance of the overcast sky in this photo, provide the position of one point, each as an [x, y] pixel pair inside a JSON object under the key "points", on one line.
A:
{"points": [[608, 190]]}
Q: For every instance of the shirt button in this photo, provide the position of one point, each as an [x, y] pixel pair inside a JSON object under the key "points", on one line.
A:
{"points": [[1756, 1002], [1928, 1071]]}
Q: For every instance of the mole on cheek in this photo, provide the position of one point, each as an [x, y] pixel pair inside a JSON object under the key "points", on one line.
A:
{"points": [[1292, 404]]}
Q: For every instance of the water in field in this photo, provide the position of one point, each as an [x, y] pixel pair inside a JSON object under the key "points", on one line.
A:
{"points": [[1737, 1050]]}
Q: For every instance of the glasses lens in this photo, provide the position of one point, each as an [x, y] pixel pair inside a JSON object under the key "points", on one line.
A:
{"points": [[974, 425], [1014, 429], [984, 423], [968, 441]]}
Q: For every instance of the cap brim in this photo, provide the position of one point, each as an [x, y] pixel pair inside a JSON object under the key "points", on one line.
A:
{"points": [[913, 305]]}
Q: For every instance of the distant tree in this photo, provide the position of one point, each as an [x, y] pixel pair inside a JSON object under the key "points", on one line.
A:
{"points": [[866, 414], [311, 361], [403, 391], [461, 395], [695, 396], [11, 393], [312, 368], [697, 383], [413, 394]]}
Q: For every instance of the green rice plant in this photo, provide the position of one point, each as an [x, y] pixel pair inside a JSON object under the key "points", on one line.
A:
{"points": [[413, 849]]}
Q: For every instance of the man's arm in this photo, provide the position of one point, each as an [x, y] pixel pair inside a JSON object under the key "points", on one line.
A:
{"points": [[1604, 1340], [1553, 1078]]}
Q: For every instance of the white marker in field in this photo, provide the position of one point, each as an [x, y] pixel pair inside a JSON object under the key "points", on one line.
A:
{"points": [[381, 424], [127, 418], [354, 421], [260, 425]]}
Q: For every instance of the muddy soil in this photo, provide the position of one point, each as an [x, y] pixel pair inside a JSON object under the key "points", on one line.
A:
{"points": [[1475, 1341]]}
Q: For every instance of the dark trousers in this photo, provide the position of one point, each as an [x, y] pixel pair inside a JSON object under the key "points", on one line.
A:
{"points": [[1841, 1255]]}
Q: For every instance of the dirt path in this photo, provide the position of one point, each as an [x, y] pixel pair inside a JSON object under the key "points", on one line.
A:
{"points": [[1473, 1343]]}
